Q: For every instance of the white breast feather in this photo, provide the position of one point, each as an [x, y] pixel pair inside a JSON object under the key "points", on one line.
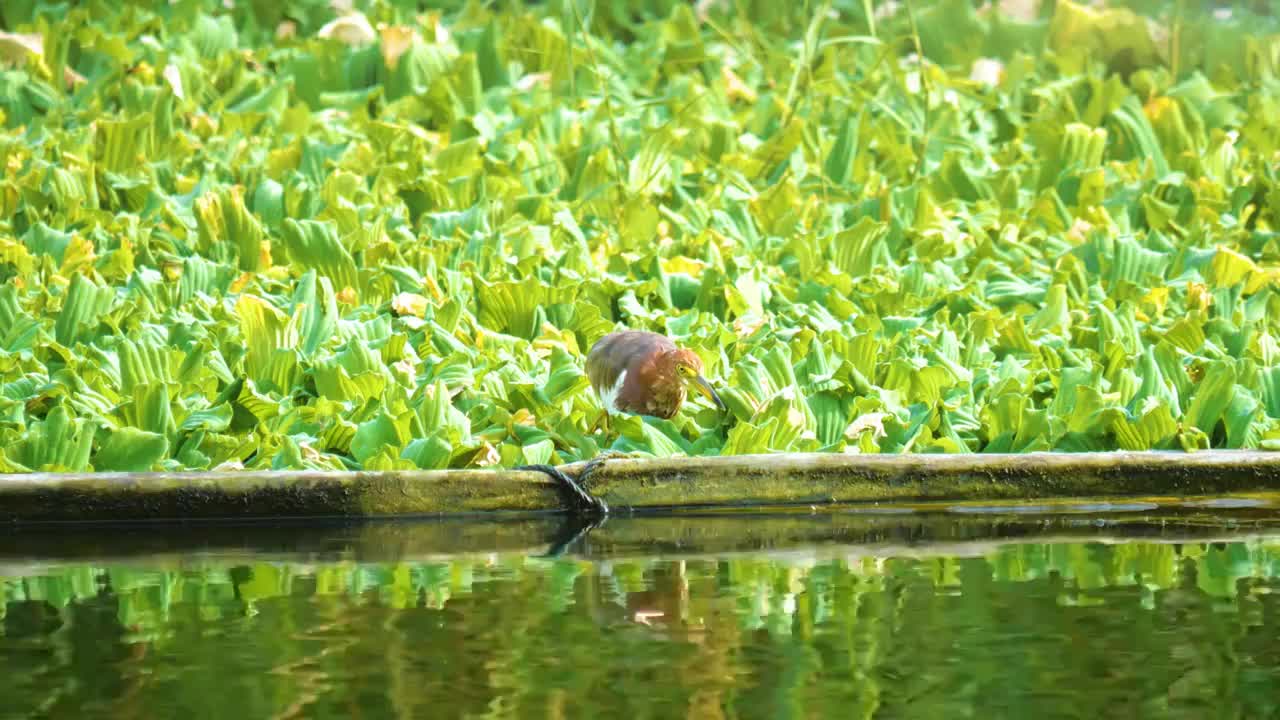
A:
{"points": [[608, 396]]}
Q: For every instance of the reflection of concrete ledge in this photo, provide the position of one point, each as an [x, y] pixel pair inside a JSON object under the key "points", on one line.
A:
{"points": [[788, 536], [640, 485]]}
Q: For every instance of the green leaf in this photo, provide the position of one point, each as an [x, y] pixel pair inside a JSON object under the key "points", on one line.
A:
{"points": [[59, 443], [861, 248], [229, 231], [122, 145], [214, 419], [131, 450], [839, 163], [83, 307], [1212, 396], [431, 453], [1271, 391], [566, 378], [314, 245], [316, 308], [513, 307], [143, 362], [381, 432], [435, 415], [265, 330], [539, 453], [1153, 428]]}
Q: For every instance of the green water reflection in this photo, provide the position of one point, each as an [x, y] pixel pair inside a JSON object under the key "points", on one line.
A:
{"points": [[1027, 630]]}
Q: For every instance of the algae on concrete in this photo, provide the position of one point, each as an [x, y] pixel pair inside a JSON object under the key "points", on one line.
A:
{"points": [[637, 485]]}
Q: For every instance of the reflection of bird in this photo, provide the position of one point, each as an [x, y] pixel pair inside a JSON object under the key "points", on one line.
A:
{"points": [[643, 373]]}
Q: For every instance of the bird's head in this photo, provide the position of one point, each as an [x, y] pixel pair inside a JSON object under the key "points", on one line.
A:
{"points": [[688, 368]]}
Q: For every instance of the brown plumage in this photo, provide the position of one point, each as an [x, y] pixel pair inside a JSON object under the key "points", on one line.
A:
{"points": [[644, 373]]}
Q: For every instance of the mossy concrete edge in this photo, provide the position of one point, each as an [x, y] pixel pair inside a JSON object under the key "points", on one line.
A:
{"points": [[109, 497], [818, 479], [638, 485]]}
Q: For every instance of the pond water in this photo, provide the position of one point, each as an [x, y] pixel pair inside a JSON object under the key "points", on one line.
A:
{"points": [[950, 615]]}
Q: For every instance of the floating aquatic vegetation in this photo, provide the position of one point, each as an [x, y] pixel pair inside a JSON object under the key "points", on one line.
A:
{"points": [[263, 236]]}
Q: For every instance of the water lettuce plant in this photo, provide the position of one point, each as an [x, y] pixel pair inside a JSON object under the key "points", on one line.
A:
{"points": [[301, 235]]}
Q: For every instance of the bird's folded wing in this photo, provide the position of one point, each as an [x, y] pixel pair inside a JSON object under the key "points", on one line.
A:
{"points": [[618, 352]]}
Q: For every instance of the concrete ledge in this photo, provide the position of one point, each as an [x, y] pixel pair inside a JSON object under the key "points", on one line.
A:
{"points": [[638, 485], [817, 479]]}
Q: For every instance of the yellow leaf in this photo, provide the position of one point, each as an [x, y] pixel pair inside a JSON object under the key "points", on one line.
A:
{"points": [[351, 29], [1229, 268], [396, 41], [488, 456], [987, 71], [683, 264], [1198, 297], [174, 78], [264, 254], [434, 287], [734, 88], [1156, 299], [870, 421], [79, 254], [409, 304], [240, 282], [16, 254], [747, 325], [15, 47]]}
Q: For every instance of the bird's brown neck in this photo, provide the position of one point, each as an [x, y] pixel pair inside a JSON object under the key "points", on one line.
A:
{"points": [[666, 390]]}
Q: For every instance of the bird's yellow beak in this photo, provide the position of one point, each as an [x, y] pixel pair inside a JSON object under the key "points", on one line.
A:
{"points": [[701, 385]]}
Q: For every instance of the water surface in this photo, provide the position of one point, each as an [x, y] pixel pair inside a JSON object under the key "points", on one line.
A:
{"points": [[942, 615]]}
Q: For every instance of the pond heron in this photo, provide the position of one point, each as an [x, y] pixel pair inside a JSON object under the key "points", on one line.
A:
{"points": [[644, 373]]}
